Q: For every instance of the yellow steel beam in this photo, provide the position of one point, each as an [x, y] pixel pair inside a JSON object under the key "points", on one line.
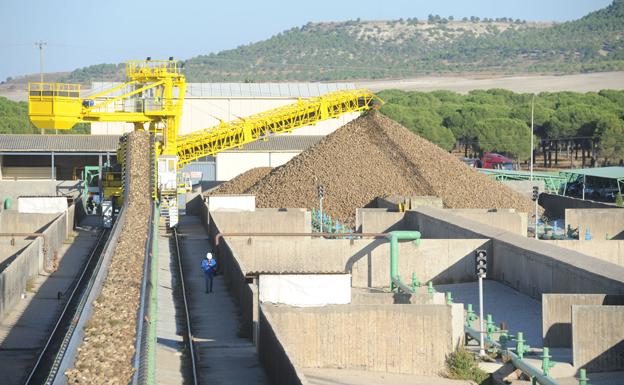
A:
{"points": [[233, 134]]}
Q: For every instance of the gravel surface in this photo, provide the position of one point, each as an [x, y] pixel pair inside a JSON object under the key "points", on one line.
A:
{"points": [[373, 156], [243, 182], [105, 355]]}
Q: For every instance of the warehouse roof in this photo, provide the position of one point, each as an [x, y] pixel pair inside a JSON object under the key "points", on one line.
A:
{"points": [[281, 143], [599, 172], [58, 143], [249, 90], [109, 143]]}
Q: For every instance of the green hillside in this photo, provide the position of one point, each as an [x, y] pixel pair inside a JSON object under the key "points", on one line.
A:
{"points": [[407, 47]]}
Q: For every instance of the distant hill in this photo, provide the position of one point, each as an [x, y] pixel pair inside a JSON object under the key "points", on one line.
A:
{"points": [[408, 47]]}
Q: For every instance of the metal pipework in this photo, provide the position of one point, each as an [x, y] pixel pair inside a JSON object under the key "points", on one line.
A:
{"points": [[319, 235], [535, 373], [394, 238]]}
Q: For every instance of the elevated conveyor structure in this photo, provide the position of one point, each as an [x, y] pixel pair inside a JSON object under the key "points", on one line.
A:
{"points": [[283, 119], [153, 96]]}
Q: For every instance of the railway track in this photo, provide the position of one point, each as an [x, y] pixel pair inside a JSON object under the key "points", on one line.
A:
{"points": [[188, 335], [48, 363]]}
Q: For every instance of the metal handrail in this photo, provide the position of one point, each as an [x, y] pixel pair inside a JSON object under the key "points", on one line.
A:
{"points": [[187, 313], [93, 290], [141, 345]]}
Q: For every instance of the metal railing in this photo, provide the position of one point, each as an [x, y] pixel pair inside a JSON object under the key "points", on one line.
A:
{"points": [[54, 89], [144, 343]]}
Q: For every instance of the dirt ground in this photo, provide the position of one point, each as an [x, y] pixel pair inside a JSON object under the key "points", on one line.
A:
{"points": [[518, 83]]}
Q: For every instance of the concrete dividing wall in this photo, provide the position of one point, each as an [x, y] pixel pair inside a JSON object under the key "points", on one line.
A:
{"points": [[610, 251], [557, 315], [33, 259], [602, 223], [241, 291], [363, 298], [378, 221], [15, 189], [12, 221], [275, 357], [598, 338], [410, 339], [368, 260], [555, 205], [508, 220], [260, 221], [392, 202], [525, 264]]}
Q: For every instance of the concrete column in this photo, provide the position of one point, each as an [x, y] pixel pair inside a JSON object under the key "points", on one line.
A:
{"points": [[100, 176]]}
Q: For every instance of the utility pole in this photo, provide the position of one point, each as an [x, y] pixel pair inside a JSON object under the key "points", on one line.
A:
{"points": [[532, 113], [41, 44]]}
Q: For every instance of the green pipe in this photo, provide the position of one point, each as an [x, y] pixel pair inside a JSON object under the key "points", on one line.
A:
{"points": [[394, 238]]}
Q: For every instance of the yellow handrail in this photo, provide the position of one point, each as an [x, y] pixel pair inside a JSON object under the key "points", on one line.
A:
{"points": [[233, 134]]}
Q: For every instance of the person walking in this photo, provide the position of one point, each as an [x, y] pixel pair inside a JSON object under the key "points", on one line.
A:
{"points": [[209, 265]]}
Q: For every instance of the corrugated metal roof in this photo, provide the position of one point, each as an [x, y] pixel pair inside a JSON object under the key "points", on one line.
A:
{"points": [[109, 143], [59, 143], [248, 90], [614, 172], [279, 143]]}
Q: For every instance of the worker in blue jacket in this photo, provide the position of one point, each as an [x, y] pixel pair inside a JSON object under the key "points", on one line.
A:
{"points": [[209, 266]]}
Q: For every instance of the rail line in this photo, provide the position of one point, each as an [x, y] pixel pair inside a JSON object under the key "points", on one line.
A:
{"points": [[49, 359], [188, 337]]}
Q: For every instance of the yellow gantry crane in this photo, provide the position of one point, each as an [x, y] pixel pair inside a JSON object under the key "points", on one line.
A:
{"points": [[154, 94]]}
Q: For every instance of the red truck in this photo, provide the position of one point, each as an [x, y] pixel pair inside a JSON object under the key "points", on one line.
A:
{"points": [[496, 161]]}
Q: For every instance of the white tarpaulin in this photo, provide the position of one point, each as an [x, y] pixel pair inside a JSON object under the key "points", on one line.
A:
{"points": [[42, 205], [232, 202], [306, 290]]}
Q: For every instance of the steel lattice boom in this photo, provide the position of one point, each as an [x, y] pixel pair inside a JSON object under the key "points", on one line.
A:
{"points": [[284, 119]]}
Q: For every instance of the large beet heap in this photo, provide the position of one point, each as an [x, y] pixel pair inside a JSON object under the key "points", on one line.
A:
{"points": [[374, 156], [106, 353]]}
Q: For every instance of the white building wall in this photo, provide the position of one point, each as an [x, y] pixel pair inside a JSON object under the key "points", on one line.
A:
{"points": [[232, 164], [200, 113]]}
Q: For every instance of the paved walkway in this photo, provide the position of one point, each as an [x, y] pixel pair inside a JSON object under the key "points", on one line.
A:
{"points": [[25, 329], [224, 358], [317, 376], [170, 367]]}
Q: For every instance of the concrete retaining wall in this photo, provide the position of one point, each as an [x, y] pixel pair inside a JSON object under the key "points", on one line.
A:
{"points": [[15, 189], [362, 298], [14, 278], [525, 264], [610, 251], [555, 205], [12, 221], [260, 221], [34, 258], [598, 338], [368, 260], [378, 221], [557, 315], [410, 339], [508, 220], [602, 223], [275, 357], [392, 202]]}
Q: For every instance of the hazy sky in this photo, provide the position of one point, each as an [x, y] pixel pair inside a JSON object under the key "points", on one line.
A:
{"points": [[85, 32]]}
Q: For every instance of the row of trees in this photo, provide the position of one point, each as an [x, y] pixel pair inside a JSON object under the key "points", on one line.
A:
{"points": [[499, 120]]}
